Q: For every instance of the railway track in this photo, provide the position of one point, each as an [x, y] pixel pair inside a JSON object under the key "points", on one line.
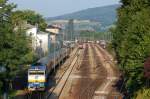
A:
{"points": [[98, 70], [108, 89], [108, 59], [51, 94], [75, 66], [88, 87], [86, 78], [37, 95]]}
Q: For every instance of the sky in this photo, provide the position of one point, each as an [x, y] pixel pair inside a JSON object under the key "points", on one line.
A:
{"points": [[51, 8]]}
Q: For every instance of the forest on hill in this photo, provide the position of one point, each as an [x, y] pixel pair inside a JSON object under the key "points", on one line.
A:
{"points": [[105, 15]]}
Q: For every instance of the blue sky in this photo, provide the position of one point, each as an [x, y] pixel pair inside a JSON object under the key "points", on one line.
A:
{"points": [[50, 8]]}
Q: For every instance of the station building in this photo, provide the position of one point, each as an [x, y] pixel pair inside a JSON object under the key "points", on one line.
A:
{"points": [[39, 40], [45, 42]]}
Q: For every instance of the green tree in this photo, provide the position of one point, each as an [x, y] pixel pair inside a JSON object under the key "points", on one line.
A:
{"points": [[31, 17], [14, 46], [131, 41]]}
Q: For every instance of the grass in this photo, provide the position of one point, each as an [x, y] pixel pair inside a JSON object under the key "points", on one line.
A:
{"points": [[143, 94]]}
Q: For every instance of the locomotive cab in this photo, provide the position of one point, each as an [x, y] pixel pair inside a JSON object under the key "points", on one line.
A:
{"points": [[37, 78]]}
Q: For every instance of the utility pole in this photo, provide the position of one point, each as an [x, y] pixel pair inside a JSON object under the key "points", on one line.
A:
{"points": [[71, 29], [54, 57], [41, 53]]}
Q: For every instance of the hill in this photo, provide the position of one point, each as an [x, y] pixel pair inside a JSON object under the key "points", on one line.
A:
{"points": [[105, 15]]}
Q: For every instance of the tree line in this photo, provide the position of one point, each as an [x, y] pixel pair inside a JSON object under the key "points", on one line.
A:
{"points": [[132, 42], [15, 49]]}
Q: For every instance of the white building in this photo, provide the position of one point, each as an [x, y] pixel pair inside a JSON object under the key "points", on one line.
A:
{"points": [[56, 33], [40, 40], [43, 41], [32, 31], [56, 36]]}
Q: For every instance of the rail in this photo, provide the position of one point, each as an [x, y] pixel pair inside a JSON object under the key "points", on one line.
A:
{"points": [[68, 63]]}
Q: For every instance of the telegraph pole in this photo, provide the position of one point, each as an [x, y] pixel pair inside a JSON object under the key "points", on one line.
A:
{"points": [[71, 29], [54, 57]]}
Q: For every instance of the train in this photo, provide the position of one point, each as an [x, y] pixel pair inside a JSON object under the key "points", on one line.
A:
{"points": [[80, 46], [103, 44], [38, 72]]}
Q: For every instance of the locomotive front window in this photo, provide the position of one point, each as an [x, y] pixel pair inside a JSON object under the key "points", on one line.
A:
{"points": [[36, 73]]}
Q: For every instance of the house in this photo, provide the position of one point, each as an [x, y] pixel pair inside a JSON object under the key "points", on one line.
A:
{"points": [[43, 43], [56, 32], [40, 40], [56, 36]]}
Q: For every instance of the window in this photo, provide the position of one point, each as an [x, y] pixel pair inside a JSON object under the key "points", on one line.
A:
{"points": [[36, 73]]}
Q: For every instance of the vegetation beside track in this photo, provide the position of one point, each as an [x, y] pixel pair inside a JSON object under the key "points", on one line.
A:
{"points": [[131, 44], [15, 46]]}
